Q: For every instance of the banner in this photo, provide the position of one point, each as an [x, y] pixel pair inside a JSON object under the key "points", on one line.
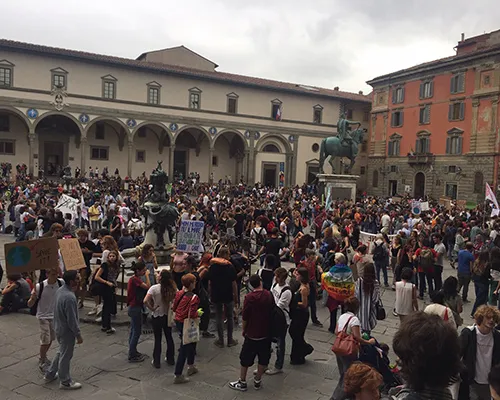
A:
{"points": [[68, 205], [424, 206], [32, 255], [489, 195], [190, 236], [368, 239], [71, 254], [416, 207]]}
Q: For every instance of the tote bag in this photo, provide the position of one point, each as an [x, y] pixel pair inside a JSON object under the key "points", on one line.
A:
{"points": [[345, 345], [191, 329]]}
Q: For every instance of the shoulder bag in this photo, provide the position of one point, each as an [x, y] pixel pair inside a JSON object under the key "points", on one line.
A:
{"points": [[345, 345]]}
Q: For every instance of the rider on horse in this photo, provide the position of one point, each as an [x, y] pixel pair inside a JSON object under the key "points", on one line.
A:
{"points": [[344, 131]]}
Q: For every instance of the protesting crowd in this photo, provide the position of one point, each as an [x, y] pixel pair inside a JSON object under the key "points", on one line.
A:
{"points": [[271, 258]]}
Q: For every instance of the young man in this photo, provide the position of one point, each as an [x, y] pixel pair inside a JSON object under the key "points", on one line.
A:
{"points": [[224, 294], [67, 328], [440, 250], [45, 294], [464, 268], [480, 346], [256, 318], [425, 258]]}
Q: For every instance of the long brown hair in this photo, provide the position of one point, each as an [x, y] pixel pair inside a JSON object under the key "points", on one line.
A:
{"points": [[168, 287], [368, 278], [110, 243]]}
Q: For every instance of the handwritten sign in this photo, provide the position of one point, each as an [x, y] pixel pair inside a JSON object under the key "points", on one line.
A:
{"points": [[190, 236], [71, 254], [368, 239], [31, 255], [68, 205]]}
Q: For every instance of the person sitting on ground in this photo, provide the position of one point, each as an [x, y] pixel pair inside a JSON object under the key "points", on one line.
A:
{"points": [[15, 295]]}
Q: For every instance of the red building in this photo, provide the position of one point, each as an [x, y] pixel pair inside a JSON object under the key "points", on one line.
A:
{"points": [[435, 126]]}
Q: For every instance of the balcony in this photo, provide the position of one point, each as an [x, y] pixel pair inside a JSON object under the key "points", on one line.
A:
{"points": [[420, 159]]}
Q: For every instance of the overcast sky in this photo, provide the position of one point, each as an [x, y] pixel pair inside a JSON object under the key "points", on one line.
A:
{"points": [[317, 42]]}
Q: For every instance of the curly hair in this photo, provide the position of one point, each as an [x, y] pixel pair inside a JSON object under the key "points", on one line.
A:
{"points": [[429, 350], [486, 311], [360, 377]]}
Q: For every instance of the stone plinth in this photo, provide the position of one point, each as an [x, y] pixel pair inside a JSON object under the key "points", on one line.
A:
{"points": [[337, 187]]}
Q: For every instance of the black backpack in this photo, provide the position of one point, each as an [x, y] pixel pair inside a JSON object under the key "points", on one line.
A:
{"points": [[34, 307], [379, 252], [277, 325]]}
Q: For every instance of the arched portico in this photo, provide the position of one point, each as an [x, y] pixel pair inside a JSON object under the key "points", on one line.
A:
{"points": [[228, 157], [15, 141], [192, 152], [273, 160]]}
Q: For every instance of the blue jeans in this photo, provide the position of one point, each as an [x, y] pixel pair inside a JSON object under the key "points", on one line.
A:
{"points": [[135, 314], [280, 351], [381, 265], [62, 360], [481, 295], [186, 352]]}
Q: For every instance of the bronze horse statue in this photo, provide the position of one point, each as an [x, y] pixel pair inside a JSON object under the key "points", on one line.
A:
{"points": [[335, 146]]}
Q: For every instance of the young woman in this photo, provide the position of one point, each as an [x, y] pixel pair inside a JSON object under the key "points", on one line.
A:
{"points": [[300, 318], [452, 299], [148, 257], [367, 291], [179, 267], [107, 275], [351, 324], [395, 249], [362, 382], [481, 277], [202, 273], [185, 306], [136, 292], [159, 300], [406, 295]]}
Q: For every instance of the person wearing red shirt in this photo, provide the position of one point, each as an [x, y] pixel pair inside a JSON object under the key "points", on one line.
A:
{"points": [[310, 263], [424, 272], [185, 306]]}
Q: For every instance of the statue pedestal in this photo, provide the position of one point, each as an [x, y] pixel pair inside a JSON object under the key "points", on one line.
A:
{"points": [[337, 187]]}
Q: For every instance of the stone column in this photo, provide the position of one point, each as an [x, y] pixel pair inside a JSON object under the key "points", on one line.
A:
{"points": [[210, 165], [83, 150], [245, 167], [130, 158], [473, 138], [171, 163], [31, 144], [251, 160], [293, 174], [288, 169]]}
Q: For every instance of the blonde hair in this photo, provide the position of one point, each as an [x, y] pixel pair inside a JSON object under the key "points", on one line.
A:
{"points": [[339, 258]]}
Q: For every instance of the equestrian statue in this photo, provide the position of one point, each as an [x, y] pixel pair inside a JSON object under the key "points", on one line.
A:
{"points": [[345, 144]]}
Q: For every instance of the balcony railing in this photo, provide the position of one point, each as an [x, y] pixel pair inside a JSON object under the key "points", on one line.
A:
{"points": [[420, 158]]}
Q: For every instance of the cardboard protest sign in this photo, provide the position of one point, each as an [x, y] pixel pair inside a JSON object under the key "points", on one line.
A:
{"points": [[68, 205], [190, 235], [461, 204], [368, 239], [71, 254], [31, 255], [424, 206]]}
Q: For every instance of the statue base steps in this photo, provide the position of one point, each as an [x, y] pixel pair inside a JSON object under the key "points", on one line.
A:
{"points": [[337, 187]]}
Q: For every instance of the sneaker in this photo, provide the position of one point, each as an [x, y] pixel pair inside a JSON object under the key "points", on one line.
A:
{"points": [[257, 385], [207, 334], [191, 371], [49, 379], [274, 371], [170, 362], [93, 311], [180, 379], [98, 320], [394, 312], [238, 385], [110, 331], [318, 324], [137, 359], [72, 385], [99, 310], [232, 343], [219, 343], [158, 366]]}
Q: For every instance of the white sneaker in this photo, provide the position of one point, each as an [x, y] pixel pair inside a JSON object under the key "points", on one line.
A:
{"points": [[98, 320], [93, 311], [99, 310], [274, 371], [70, 386]]}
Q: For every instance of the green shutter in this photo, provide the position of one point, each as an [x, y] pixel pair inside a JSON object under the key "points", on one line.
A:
{"points": [[417, 146], [421, 94], [450, 112], [393, 119], [462, 110], [390, 146], [460, 145], [393, 95], [431, 83], [448, 145], [401, 119], [461, 82], [452, 84], [402, 95]]}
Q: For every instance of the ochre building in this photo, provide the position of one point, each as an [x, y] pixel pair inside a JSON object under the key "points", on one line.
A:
{"points": [[435, 126], [63, 107]]}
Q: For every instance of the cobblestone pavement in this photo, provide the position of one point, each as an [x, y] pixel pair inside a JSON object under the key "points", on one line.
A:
{"points": [[101, 365]]}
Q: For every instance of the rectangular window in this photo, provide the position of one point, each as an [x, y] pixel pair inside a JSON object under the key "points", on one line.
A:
{"points": [[274, 110], [317, 115], [454, 145], [423, 145], [393, 148], [108, 90], [99, 153], [99, 131], [232, 105], [457, 83], [215, 161], [425, 114], [7, 147], [398, 95], [194, 101], [59, 81], [366, 116], [5, 76], [451, 190], [4, 123], [140, 156], [426, 90], [349, 113], [452, 169], [153, 95], [397, 119], [362, 170], [456, 111]]}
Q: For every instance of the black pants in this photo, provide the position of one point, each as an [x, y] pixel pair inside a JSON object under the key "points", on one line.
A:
{"points": [[312, 300], [160, 325], [298, 326], [108, 305], [422, 276], [12, 302], [205, 318], [438, 277]]}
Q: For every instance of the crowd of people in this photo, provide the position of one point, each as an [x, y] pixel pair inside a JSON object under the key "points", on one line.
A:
{"points": [[271, 258]]}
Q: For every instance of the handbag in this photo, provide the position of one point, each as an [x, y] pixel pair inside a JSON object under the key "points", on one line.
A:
{"points": [[380, 311], [191, 328], [345, 345]]}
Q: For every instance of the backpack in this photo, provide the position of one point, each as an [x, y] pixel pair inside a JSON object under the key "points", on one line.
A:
{"points": [[259, 237], [34, 307], [426, 259], [379, 252]]}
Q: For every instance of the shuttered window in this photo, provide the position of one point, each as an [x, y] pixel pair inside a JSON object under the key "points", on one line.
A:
{"points": [[457, 83], [456, 111], [454, 144], [398, 95], [425, 114], [426, 90]]}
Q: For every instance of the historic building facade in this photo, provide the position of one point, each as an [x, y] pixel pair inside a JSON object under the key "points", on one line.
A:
{"points": [[435, 127], [62, 107]]}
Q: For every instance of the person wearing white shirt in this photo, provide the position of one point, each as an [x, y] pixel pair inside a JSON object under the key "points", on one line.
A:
{"points": [[282, 297]]}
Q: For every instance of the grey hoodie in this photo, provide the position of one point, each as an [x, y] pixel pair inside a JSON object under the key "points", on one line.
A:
{"points": [[66, 313]]}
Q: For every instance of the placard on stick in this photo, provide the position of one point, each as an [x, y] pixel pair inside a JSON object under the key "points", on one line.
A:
{"points": [[31, 255], [71, 254]]}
